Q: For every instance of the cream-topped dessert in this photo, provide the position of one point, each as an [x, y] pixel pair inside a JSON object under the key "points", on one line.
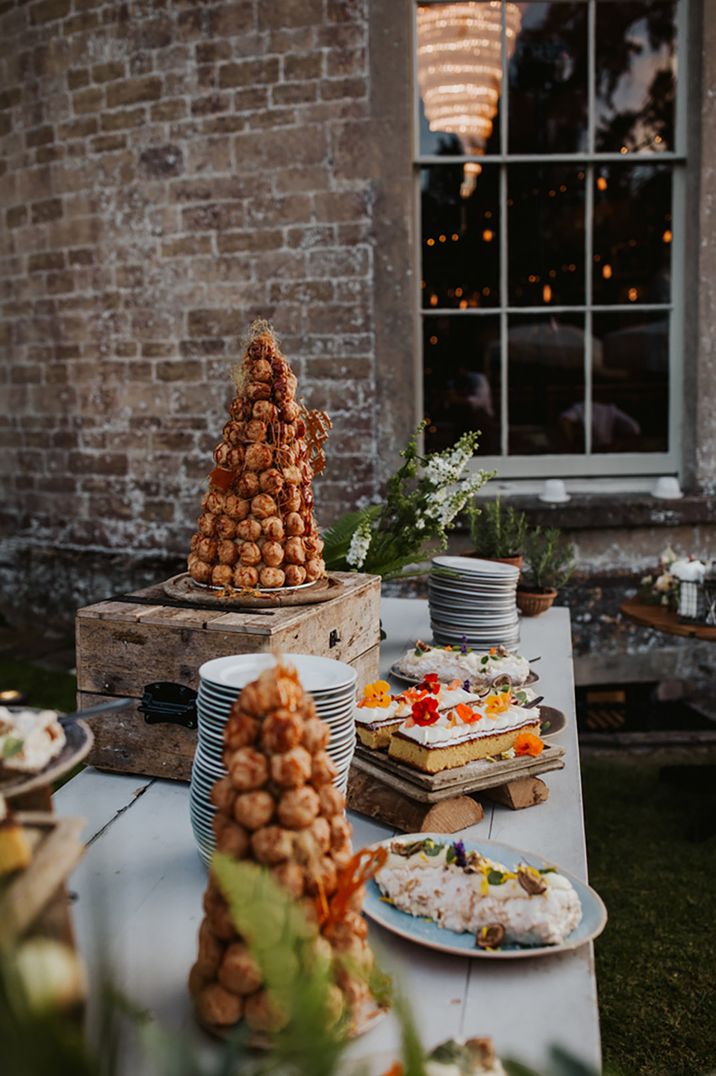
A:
{"points": [[433, 740], [468, 892], [379, 713], [449, 662], [29, 739]]}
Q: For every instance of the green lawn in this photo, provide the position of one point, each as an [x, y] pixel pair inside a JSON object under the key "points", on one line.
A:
{"points": [[656, 961], [654, 863]]}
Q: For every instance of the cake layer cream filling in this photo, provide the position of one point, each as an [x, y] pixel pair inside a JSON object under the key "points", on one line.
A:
{"points": [[443, 733], [466, 901]]}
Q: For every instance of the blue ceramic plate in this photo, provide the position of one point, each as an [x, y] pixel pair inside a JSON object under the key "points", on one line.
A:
{"points": [[427, 932]]}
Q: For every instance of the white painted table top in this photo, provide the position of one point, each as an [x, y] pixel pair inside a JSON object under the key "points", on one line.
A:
{"points": [[140, 884]]}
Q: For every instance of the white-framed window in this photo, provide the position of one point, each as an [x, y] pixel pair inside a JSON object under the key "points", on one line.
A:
{"points": [[550, 157]]}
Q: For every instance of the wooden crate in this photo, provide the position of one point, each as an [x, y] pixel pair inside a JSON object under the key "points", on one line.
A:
{"points": [[122, 646]]}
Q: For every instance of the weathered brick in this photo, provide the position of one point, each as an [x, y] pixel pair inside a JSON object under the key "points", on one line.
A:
{"points": [[292, 93], [184, 246], [215, 323], [164, 111], [129, 117], [107, 142], [291, 13], [49, 10], [89, 100], [162, 160], [179, 370], [39, 136], [301, 66], [16, 216], [80, 257], [213, 102], [249, 240], [249, 72], [48, 210], [48, 259], [134, 90], [78, 78], [108, 72]]}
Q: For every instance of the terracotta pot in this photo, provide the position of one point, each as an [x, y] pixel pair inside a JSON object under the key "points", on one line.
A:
{"points": [[532, 604], [516, 562]]}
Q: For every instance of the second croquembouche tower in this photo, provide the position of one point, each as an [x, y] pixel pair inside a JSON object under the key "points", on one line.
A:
{"points": [[257, 530]]}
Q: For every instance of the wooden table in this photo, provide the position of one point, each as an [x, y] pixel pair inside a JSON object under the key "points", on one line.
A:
{"points": [[140, 885], [661, 618]]}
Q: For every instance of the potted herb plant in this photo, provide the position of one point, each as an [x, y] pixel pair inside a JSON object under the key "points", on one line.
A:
{"points": [[550, 563], [498, 533]]}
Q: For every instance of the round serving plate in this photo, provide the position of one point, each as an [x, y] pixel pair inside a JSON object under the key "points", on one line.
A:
{"points": [[426, 932], [553, 721], [78, 744], [473, 566], [317, 674], [187, 590]]}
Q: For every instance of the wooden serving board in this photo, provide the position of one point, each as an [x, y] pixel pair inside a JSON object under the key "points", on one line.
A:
{"points": [[463, 780], [183, 588], [38, 890]]}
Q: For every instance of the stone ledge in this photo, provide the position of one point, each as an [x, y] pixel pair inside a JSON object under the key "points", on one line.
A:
{"points": [[610, 510]]}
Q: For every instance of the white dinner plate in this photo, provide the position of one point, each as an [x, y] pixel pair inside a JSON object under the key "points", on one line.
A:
{"points": [[316, 673]]}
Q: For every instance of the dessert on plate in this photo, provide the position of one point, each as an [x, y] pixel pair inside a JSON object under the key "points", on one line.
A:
{"points": [[475, 1057], [257, 529], [470, 893], [449, 662], [279, 808], [29, 739], [379, 714], [499, 724]]}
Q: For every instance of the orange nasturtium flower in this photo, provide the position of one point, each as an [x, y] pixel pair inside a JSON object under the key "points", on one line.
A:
{"points": [[528, 744], [467, 715], [493, 651]]}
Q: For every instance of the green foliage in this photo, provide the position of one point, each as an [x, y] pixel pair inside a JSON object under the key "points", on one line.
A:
{"points": [[422, 499], [550, 560], [497, 531]]}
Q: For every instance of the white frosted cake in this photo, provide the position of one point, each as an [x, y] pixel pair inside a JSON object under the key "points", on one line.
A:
{"points": [[379, 714], [463, 663], [29, 739], [468, 892], [494, 726]]}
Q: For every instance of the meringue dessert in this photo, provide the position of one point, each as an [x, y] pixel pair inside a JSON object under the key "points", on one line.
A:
{"points": [[29, 739], [461, 662], [469, 893]]}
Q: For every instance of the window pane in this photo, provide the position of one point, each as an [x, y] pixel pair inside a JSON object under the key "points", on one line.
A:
{"points": [[635, 72], [460, 238], [460, 75], [548, 80], [461, 362], [546, 384], [630, 374], [632, 234], [546, 234]]}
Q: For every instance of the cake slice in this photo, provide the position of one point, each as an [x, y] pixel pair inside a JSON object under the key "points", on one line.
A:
{"points": [[15, 850], [379, 714], [435, 741]]}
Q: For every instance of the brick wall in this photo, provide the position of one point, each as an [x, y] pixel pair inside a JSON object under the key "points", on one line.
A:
{"points": [[169, 171]]}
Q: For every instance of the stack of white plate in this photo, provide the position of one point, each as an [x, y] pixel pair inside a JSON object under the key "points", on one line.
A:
{"points": [[333, 687], [473, 601]]}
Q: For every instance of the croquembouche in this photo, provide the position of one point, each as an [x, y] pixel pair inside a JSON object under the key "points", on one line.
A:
{"points": [[257, 529], [279, 807]]}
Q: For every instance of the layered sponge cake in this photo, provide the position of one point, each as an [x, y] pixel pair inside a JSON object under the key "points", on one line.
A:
{"points": [[432, 740], [379, 714]]}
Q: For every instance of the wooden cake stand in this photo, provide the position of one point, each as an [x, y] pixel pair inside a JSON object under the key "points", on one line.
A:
{"points": [[398, 795]]}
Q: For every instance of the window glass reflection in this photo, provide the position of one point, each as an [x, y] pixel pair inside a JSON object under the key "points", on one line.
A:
{"points": [[546, 384], [546, 234], [630, 377], [632, 234], [460, 239], [635, 76], [548, 97], [461, 362]]}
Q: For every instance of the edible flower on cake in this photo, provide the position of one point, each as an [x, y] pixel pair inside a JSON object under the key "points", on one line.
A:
{"points": [[469, 892], [378, 714]]}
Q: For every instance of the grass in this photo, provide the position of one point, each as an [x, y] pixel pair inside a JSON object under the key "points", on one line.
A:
{"points": [[43, 687], [652, 857], [654, 863]]}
